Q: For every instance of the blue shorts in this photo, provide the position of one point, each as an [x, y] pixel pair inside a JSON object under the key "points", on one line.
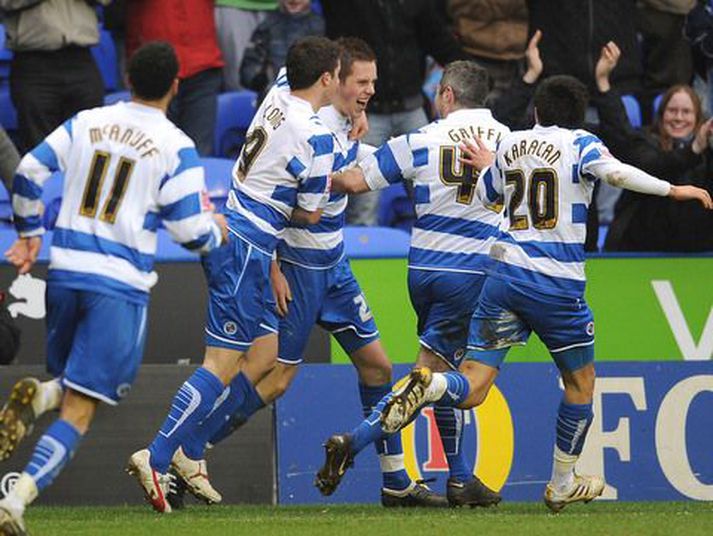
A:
{"points": [[331, 298], [95, 342], [240, 300], [508, 312], [444, 303]]}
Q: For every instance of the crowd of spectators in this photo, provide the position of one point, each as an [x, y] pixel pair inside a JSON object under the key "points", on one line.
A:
{"points": [[653, 50]]}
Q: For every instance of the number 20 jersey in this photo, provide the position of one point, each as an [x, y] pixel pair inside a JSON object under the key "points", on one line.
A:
{"points": [[542, 176], [453, 230]]}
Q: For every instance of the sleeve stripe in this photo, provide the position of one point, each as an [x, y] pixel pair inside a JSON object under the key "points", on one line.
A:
{"points": [[420, 157], [188, 159], [592, 155], [489, 188], [23, 225], [24, 187], [183, 208], [199, 242], [313, 185], [322, 144], [45, 154], [388, 166], [68, 126], [295, 167]]}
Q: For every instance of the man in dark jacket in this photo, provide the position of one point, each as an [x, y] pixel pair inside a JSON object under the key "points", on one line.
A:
{"points": [[574, 32], [402, 33]]}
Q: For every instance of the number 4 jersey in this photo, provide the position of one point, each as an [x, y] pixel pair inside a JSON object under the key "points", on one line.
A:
{"points": [[126, 168], [453, 230]]}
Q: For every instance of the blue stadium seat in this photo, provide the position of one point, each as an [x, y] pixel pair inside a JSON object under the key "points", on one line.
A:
{"points": [[8, 115], [395, 208], [113, 98], [105, 55], [5, 56], [217, 179], [633, 110], [376, 242], [235, 111], [657, 103]]}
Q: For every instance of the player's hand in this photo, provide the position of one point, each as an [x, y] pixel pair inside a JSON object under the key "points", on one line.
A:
{"points": [[281, 289], [533, 59], [360, 127], [475, 154], [608, 59], [223, 225], [691, 193], [23, 253]]}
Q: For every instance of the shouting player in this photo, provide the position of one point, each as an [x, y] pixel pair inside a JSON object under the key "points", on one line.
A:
{"points": [[126, 167], [545, 177]]}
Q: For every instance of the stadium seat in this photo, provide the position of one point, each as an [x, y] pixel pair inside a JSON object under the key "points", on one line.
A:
{"points": [[5, 56], [235, 111], [105, 55], [657, 103], [8, 115], [217, 179], [633, 110], [376, 242], [117, 96], [396, 208]]}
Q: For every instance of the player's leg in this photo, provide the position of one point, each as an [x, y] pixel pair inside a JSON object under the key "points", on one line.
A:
{"points": [[237, 275], [29, 397], [101, 366], [493, 329], [566, 326]]}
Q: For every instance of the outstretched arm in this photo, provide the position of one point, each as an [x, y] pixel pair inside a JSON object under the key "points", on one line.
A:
{"points": [[350, 181]]}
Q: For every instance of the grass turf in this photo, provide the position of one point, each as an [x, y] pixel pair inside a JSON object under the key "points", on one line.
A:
{"points": [[514, 518]]}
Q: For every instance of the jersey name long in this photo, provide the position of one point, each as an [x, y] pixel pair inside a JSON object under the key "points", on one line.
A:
{"points": [[544, 178], [453, 230], [126, 169], [285, 162]]}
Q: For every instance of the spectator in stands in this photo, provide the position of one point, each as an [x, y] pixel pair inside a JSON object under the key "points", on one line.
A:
{"points": [[699, 31], [677, 148], [494, 32], [9, 159], [268, 46], [574, 32], [236, 20], [189, 26], [53, 74], [402, 34], [666, 53]]}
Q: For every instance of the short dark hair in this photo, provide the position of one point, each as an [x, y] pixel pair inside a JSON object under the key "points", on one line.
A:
{"points": [[353, 49], [469, 81], [152, 70], [308, 59], [561, 100]]}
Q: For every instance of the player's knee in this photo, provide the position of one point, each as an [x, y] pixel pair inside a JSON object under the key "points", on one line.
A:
{"points": [[286, 376], [579, 385]]}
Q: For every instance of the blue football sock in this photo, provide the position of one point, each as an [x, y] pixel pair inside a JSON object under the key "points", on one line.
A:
{"points": [[369, 430], [52, 452], [573, 422], [389, 448], [457, 390], [243, 402], [450, 425], [193, 402]]}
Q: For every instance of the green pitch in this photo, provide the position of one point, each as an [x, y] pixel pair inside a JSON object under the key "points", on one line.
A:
{"points": [[628, 519]]}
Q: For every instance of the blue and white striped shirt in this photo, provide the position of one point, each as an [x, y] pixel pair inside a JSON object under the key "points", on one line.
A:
{"points": [[126, 168], [453, 230]]}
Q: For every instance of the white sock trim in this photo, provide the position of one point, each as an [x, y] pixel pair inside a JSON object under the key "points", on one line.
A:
{"points": [[391, 462]]}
